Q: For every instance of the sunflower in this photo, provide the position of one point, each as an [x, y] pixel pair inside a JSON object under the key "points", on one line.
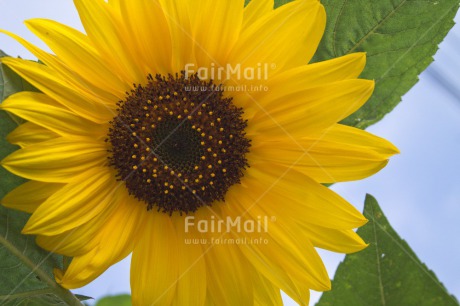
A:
{"points": [[196, 136]]}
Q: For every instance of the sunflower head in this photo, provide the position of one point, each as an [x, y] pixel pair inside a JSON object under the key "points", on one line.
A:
{"points": [[178, 143], [195, 135]]}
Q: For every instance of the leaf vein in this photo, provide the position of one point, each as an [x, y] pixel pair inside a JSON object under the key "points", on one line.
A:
{"points": [[379, 272], [422, 267], [334, 44], [384, 20]]}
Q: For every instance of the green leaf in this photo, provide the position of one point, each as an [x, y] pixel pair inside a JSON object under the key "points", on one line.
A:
{"points": [[278, 3], [119, 300], [387, 273], [10, 82], [26, 270], [400, 38], [83, 297]]}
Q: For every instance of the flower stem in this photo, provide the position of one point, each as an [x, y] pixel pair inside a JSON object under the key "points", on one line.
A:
{"points": [[64, 294]]}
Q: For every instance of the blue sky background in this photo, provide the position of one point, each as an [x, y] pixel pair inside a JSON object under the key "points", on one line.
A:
{"points": [[419, 190]]}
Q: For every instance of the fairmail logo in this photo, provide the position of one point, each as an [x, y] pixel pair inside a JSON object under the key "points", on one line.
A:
{"points": [[229, 224], [230, 72]]}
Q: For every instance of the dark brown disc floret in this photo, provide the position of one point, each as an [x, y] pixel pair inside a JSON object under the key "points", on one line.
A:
{"points": [[178, 143]]}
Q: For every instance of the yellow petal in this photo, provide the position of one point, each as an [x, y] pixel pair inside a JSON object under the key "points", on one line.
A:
{"points": [[28, 196], [297, 257], [178, 19], [255, 10], [342, 241], [275, 273], [84, 238], [209, 301], [29, 134], [307, 76], [75, 242], [298, 79], [45, 79], [265, 294], [86, 81], [146, 23], [76, 51], [81, 200], [215, 35], [191, 282], [115, 3], [313, 203], [103, 27], [57, 160], [42, 110], [342, 134], [116, 239], [310, 110], [236, 287], [288, 37], [328, 158], [273, 269], [153, 281]]}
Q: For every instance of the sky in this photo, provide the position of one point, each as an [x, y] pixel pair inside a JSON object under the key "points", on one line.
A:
{"points": [[419, 190]]}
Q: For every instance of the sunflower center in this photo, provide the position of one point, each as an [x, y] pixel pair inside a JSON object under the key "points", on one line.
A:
{"points": [[178, 143]]}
